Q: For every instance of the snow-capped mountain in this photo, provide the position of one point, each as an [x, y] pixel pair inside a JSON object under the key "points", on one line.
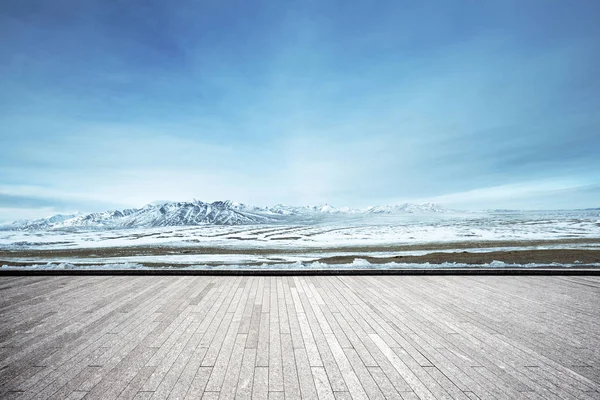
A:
{"points": [[200, 213], [43, 223], [406, 208]]}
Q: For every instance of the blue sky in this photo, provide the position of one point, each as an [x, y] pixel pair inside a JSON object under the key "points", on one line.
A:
{"points": [[470, 104]]}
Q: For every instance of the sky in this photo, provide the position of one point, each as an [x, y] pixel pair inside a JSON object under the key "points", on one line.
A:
{"points": [[466, 103]]}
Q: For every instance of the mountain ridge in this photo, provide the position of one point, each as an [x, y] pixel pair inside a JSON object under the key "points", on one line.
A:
{"points": [[197, 212]]}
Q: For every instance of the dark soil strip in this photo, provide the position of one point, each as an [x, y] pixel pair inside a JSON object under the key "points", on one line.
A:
{"points": [[510, 257], [155, 250]]}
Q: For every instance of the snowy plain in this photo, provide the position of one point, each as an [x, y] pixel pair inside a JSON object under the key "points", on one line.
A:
{"points": [[290, 246]]}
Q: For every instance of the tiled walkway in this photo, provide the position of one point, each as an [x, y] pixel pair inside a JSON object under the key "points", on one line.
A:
{"points": [[310, 337]]}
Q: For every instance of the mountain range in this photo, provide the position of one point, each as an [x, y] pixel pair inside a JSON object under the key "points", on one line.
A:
{"points": [[200, 213]]}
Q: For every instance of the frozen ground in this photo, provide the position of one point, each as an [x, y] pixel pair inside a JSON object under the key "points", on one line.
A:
{"points": [[357, 264], [300, 245]]}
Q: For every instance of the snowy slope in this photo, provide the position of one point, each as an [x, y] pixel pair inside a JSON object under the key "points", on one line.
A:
{"points": [[40, 224]]}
